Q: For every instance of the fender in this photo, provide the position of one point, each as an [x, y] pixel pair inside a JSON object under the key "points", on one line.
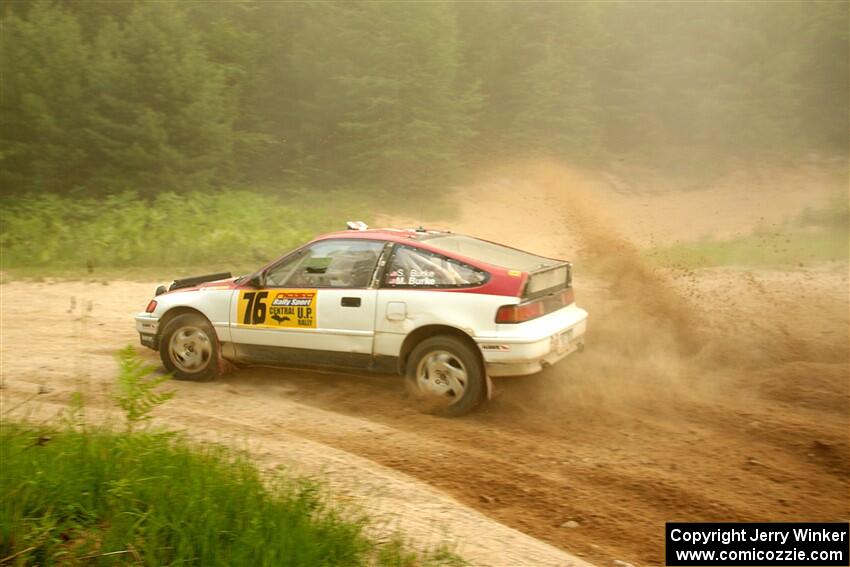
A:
{"points": [[212, 303]]}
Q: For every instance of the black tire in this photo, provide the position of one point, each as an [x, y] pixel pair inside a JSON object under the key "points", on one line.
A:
{"points": [[196, 358], [445, 349]]}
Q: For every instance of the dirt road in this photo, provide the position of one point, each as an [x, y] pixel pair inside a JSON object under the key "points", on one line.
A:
{"points": [[718, 395]]}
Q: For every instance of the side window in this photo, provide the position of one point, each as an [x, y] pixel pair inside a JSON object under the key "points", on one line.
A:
{"points": [[330, 263], [414, 267]]}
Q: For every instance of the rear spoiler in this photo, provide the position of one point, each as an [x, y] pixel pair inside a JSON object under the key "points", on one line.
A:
{"points": [[548, 280]]}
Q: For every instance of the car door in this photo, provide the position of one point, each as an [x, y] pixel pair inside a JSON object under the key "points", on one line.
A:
{"points": [[316, 307], [420, 288]]}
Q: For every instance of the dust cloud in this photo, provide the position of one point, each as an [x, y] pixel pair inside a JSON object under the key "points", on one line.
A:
{"points": [[659, 336]]}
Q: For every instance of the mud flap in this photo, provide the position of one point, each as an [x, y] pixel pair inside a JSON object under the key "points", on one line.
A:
{"points": [[224, 365], [488, 384]]}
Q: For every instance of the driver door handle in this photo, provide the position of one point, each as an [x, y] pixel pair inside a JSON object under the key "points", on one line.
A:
{"points": [[350, 302]]}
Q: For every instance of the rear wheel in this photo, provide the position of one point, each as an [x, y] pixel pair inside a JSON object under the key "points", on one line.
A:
{"points": [[446, 376], [189, 349]]}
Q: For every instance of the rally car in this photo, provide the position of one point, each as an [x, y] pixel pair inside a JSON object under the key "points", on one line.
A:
{"points": [[444, 310]]}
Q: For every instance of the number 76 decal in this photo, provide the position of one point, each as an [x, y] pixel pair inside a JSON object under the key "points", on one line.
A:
{"points": [[294, 308]]}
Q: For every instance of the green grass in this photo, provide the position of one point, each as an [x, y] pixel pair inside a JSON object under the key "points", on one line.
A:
{"points": [[222, 230], [93, 496], [194, 229], [74, 494], [814, 236]]}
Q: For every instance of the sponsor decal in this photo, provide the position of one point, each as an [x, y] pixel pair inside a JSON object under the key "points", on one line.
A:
{"points": [[502, 348], [421, 277], [396, 277], [415, 277], [293, 308]]}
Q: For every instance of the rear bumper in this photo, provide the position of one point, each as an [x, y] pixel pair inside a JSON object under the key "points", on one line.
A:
{"points": [[528, 348], [147, 327]]}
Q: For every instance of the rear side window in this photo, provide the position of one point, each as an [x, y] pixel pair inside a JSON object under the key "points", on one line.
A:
{"points": [[489, 252], [415, 268]]}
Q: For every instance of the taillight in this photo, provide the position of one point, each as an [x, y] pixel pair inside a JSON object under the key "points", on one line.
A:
{"points": [[151, 306], [534, 309], [519, 313]]}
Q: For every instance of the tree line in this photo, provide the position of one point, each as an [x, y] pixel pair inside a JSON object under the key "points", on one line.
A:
{"points": [[103, 97]]}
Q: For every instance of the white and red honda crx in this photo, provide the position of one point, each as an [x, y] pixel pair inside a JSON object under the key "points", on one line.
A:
{"points": [[446, 311]]}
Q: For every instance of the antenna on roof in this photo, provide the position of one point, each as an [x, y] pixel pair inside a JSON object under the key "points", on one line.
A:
{"points": [[356, 225]]}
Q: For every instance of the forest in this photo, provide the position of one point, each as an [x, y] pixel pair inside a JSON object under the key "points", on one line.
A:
{"points": [[102, 98]]}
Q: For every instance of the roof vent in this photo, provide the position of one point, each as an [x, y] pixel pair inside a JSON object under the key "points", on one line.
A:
{"points": [[356, 225]]}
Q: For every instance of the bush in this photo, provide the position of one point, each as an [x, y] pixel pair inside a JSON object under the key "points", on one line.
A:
{"points": [[137, 392]]}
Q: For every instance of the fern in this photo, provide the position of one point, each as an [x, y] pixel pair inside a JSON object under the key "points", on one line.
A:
{"points": [[137, 394]]}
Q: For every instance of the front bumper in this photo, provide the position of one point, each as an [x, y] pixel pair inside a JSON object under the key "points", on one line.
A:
{"points": [[530, 347], [147, 327]]}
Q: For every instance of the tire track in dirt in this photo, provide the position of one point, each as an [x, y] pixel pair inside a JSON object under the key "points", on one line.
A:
{"points": [[670, 368], [394, 502]]}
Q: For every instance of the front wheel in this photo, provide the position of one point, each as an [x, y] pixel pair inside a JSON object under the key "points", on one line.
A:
{"points": [[446, 376], [189, 349]]}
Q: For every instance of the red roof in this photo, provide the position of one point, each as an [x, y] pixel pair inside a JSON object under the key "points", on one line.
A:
{"points": [[501, 283]]}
